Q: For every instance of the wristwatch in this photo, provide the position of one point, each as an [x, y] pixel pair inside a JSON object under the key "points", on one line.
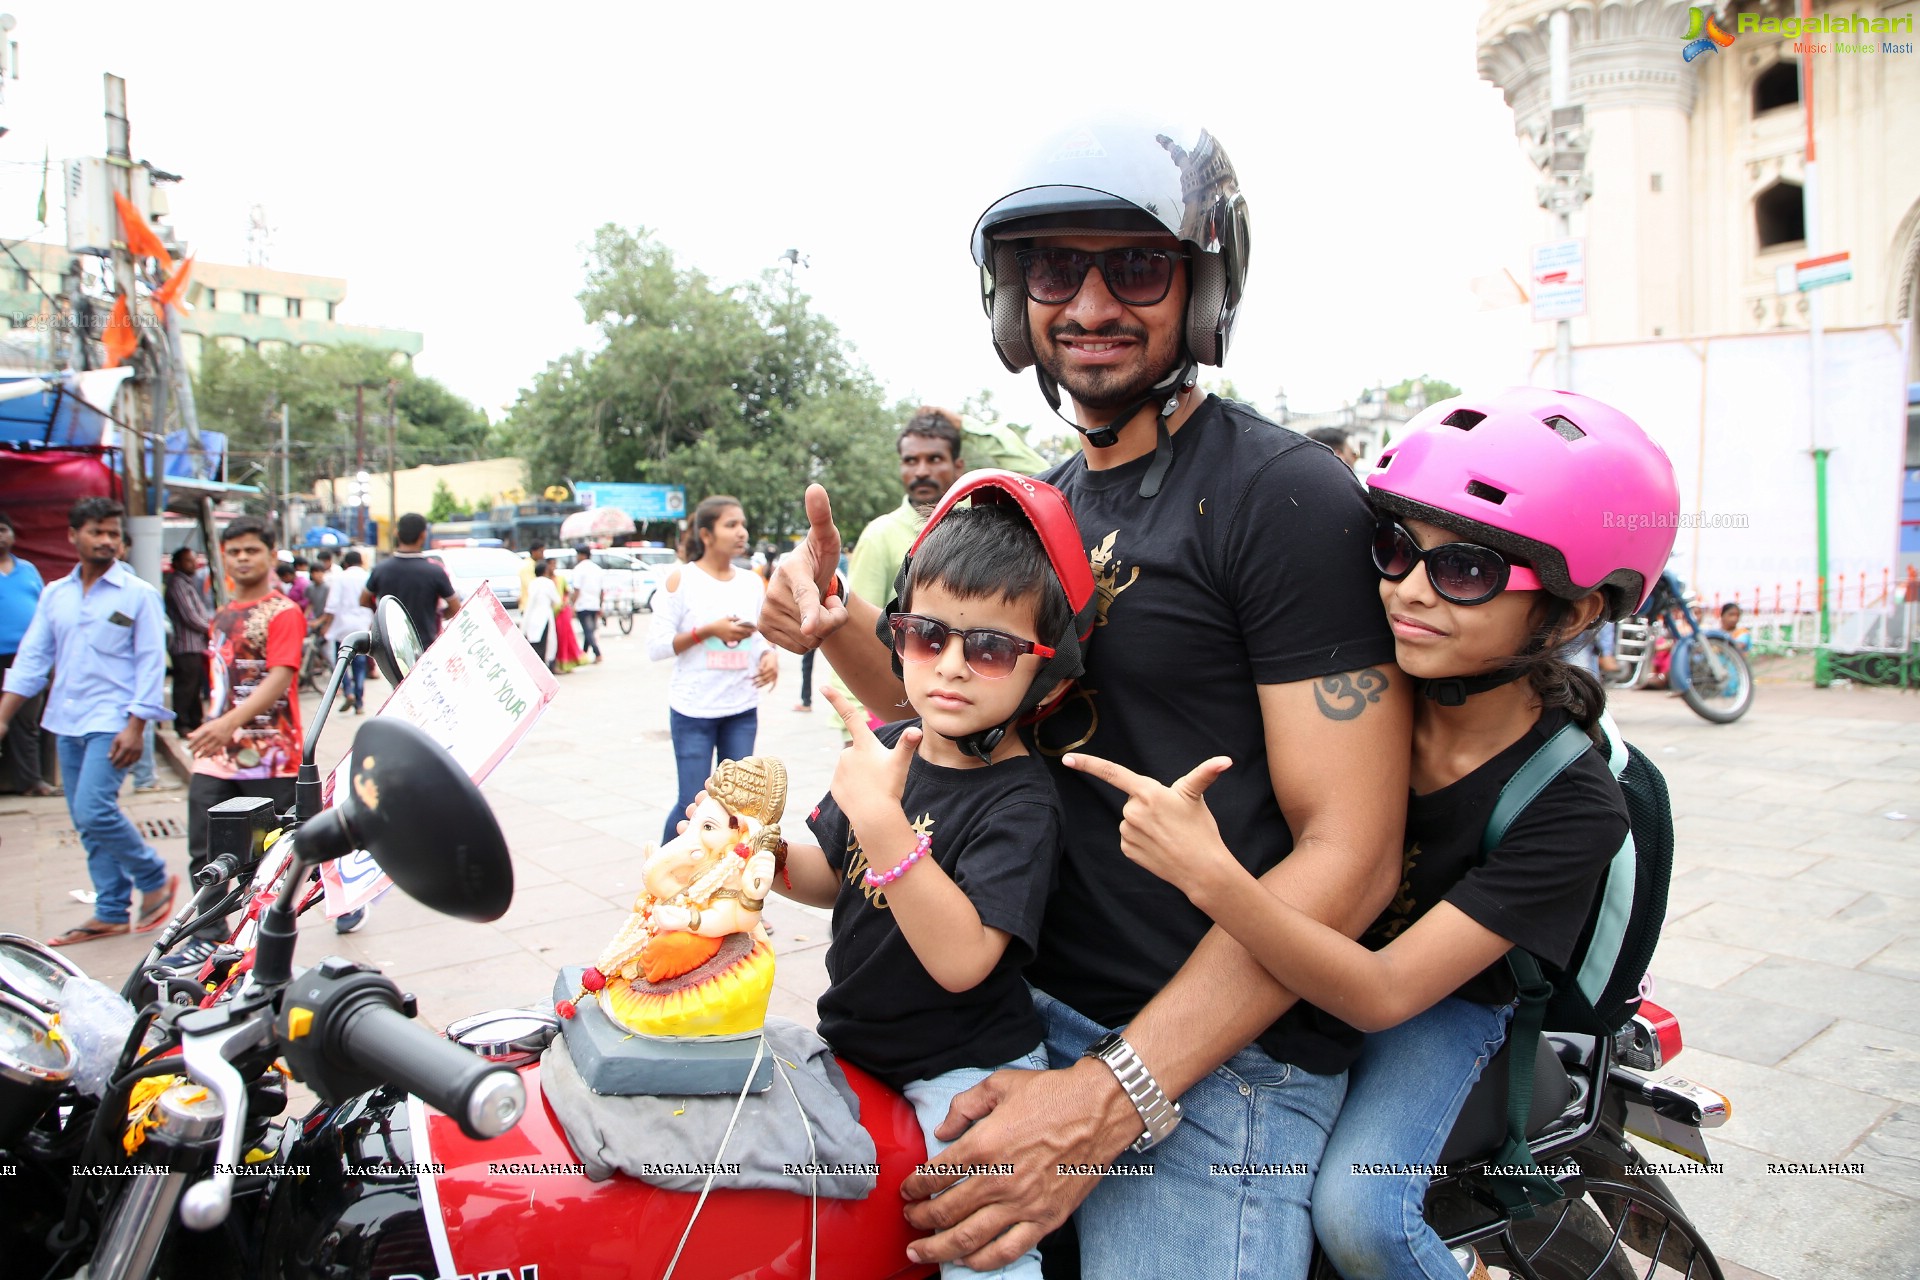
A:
{"points": [[1158, 1112]]}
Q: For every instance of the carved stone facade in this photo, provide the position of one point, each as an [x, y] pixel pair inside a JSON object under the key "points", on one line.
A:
{"points": [[1698, 167]]}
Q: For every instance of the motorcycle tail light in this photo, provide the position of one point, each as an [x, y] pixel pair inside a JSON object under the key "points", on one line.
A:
{"points": [[1662, 1028]]}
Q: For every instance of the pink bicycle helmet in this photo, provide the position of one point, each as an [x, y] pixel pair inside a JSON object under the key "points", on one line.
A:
{"points": [[1569, 485]]}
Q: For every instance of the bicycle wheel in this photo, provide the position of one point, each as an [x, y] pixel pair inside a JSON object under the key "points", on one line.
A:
{"points": [[1720, 683], [626, 621]]}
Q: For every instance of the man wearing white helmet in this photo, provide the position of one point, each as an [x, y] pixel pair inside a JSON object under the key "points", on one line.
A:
{"points": [[1238, 615]]}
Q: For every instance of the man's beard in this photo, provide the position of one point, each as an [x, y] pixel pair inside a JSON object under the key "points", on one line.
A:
{"points": [[924, 506], [1104, 389]]}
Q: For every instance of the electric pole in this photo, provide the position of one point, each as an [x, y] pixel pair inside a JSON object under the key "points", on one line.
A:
{"points": [[360, 455], [120, 159], [393, 491]]}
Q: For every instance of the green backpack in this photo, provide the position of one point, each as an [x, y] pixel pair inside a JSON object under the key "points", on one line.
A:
{"points": [[1598, 991]]}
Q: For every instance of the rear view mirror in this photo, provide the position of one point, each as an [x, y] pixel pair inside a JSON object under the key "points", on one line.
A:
{"points": [[396, 645]]}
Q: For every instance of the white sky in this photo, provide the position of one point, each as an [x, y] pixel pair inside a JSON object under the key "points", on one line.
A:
{"points": [[451, 162]]}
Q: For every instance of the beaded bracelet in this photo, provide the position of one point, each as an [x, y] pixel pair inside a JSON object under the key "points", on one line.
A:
{"points": [[921, 848]]}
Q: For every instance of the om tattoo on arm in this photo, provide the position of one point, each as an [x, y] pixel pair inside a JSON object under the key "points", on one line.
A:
{"points": [[1345, 696]]}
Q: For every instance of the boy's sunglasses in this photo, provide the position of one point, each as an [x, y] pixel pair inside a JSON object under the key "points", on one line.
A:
{"points": [[990, 654], [1459, 571], [1135, 277]]}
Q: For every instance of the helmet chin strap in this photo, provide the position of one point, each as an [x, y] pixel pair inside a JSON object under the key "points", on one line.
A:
{"points": [[1453, 691], [1180, 378]]}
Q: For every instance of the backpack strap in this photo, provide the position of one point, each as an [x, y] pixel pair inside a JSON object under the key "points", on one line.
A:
{"points": [[1525, 1187]]}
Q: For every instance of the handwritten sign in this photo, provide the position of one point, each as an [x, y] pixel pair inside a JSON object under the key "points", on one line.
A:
{"points": [[476, 691]]}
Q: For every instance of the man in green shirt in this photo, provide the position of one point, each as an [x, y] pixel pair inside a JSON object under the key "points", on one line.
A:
{"points": [[930, 462]]}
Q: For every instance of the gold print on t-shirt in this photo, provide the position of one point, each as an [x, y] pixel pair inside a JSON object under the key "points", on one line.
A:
{"points": [[1106, 577], [857, 862], [1399, 913]]}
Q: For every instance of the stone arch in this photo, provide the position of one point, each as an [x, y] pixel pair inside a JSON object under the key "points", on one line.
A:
{"points": [[1904, 283]]}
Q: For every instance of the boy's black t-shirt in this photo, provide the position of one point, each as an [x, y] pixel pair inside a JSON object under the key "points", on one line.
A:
{"points": [[1536, 887], [419, 584], [996, 831], [1250, 567]]}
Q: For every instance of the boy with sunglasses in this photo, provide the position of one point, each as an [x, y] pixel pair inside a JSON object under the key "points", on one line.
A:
{"points": [[940, 836]]}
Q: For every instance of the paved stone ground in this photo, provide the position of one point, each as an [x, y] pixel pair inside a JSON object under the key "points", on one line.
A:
{"points": [[1792, 951]]}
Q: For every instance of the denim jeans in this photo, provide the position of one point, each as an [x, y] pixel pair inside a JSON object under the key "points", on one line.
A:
{"points": [[697, 741], [118, 860], [588, 619], [1185, 1219], [353, 687], [930, 1099], [1403, 1095]]}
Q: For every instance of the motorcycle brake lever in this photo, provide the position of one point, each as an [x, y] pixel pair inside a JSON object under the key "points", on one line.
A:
{"points": [[211, 1039]]}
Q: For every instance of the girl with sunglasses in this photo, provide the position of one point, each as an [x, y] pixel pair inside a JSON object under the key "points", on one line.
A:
{"points": [[939, 839], [1508, 525]]}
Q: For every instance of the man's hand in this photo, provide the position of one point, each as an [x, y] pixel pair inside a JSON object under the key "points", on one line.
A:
{"points": [[212, 735], [1168, 830], [1036, 1121], [800, 610], [870, 777], [127, 745]]}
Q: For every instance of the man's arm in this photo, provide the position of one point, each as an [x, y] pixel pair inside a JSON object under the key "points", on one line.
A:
{"points": [[802, 612], [1339, 750]]}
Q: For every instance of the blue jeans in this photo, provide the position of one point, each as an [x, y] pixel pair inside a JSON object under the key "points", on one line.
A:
{"points": [[1185, 1219], [1403, 1096], [697, 740], [930, 1099], [118, 860], [354, 686]]}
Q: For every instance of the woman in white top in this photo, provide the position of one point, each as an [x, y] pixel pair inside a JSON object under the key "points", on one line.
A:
{"points": [[707, 621], [536, 611]]}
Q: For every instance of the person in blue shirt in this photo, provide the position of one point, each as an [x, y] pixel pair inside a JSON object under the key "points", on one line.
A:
{"points": [[100, 635], [20, 588]]}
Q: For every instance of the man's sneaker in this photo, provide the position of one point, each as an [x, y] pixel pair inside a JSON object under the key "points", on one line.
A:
{"points": [[191, 954], [350, 922]]}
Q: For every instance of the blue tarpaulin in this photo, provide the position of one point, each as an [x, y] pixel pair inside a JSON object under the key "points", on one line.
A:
{"points": [[60, 410]]}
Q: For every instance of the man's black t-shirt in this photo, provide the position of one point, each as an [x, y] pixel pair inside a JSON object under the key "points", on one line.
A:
{"points": [[996, 831], [419, 584], [1250, 567], [1536, 887]]}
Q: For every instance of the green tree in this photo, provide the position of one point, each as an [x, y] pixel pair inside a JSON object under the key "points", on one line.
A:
{"points": [[742, 390], [1402, 391], [445, 505], [240, 393]]}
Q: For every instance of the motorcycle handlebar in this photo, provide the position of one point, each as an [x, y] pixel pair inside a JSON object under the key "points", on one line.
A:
{"points": [[486, 1099]]}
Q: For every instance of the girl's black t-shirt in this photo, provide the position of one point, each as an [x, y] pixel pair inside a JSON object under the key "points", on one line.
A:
{"points": [[996, 831], [1536, 888]]}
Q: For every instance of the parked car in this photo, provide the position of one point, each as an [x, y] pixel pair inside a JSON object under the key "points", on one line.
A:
{"points": [[471, 566]]}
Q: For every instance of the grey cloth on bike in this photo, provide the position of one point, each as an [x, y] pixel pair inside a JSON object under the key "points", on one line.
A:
{"points": [[667, 1141]]}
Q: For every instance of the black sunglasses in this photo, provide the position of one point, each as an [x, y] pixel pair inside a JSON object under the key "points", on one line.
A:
{"points": [[1462, 572], [1135, 277], [990, 654]]}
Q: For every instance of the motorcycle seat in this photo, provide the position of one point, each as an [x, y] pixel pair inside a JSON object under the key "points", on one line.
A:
{"points": [[1482, 1125]]}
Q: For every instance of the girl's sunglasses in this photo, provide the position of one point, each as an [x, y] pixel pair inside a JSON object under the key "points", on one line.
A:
{"points": [[1459, 571], [1135, 277], [991, 655]]}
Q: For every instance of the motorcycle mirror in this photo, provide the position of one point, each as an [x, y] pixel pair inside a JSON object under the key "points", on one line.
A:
{"points": [[396, 645], [409, 805]]}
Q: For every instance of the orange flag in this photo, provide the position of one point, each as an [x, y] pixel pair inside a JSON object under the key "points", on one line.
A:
{"points": [[120, 340], [169, 294], [141, 242]]}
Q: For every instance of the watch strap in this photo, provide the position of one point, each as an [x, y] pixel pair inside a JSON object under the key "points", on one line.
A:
{"points": [[1158, 1113]]}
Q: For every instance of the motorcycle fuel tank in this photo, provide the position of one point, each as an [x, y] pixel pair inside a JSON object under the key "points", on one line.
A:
{"points": [[396, 1192]]}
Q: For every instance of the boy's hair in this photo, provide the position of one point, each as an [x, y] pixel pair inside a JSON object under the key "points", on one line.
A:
{"points": [[989, 550], [409, 529], [351, 560], [241, 526], [94, 509], [6, 520]]}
